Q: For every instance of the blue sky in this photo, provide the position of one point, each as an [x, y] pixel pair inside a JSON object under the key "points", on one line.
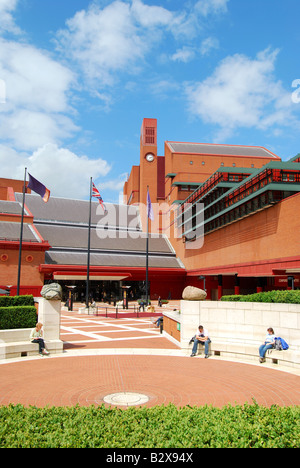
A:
{"points": [[77, 77]]}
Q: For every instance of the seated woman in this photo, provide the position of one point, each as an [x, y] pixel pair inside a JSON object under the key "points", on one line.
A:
{"points": [[268, 344], [36, 336]]}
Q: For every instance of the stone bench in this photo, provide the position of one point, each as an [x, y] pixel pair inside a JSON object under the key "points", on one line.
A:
{"points": [[16, 343], [249, 351], [26, 348]]}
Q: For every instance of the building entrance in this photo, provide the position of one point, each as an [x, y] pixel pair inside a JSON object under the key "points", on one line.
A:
{"points": [[101, 291]]}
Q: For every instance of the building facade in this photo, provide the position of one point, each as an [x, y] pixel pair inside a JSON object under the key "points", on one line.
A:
{"points": [[228, 210], [225, 220], [55, 242]]}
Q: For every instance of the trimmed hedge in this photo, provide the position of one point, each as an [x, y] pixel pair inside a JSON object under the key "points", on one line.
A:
{"points": [[284, 297], [10, 301], [248, 426], [17, 317], [17, 312]]}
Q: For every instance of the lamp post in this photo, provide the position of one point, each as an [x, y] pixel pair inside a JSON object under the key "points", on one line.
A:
{"points": [[70, 300]]}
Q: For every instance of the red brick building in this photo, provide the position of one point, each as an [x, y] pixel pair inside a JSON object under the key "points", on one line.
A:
{"points": [[225, 219], [54, 248], [248, 227]]}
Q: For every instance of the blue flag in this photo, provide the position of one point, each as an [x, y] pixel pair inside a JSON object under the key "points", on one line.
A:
{"points": [[39, 188], [149, 207]]}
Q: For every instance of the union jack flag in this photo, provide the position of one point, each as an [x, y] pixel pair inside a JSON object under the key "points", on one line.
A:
{"points": [[96, 194]]}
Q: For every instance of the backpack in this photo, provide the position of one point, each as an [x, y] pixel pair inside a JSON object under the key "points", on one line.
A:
{"points": [[281, 344]]}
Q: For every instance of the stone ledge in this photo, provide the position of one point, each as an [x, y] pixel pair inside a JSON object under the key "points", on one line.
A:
{"points": [[26, 348]]}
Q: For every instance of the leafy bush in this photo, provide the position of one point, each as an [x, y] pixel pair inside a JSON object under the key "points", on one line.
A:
{"points": [[17, 312], [17, 317], [290, 297], [10, 301], [245, 426]]}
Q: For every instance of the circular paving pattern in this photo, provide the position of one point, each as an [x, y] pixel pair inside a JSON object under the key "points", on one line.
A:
{"points": [[88, 380], [126, 399]]}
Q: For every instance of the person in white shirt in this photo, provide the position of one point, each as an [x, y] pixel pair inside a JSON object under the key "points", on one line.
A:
{"points": [[36, 336], [202, 337], [268, 344]]}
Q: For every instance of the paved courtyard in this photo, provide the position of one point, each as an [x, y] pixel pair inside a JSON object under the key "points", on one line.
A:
{"points": [[104, 356]]}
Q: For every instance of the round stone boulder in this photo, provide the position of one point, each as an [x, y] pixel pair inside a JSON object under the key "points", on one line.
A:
{"points": [[52, 292], [191, 293]]}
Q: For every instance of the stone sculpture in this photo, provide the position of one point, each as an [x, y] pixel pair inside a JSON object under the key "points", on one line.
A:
{"points": [[191, 293], [52, 292]]}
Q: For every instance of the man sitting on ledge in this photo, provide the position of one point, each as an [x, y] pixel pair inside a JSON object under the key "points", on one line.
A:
{"points": [[202, 337]]}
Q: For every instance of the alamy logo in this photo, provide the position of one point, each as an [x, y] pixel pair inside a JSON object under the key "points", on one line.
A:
{"points": [[2, 92], [296, 94], [186, 224]]}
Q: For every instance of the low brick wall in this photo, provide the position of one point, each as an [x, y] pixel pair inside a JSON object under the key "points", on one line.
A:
{"points": [[172, 326]]}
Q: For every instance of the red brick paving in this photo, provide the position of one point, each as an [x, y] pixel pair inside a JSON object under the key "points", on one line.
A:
{"points": [[68, 381], [181, 380]]}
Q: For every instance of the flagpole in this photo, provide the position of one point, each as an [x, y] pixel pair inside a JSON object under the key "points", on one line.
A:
{"points": [[147, 252], [21, 235], [89, 248]]}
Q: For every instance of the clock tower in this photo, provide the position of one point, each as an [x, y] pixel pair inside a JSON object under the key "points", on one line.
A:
{"points": [[148, 160]]}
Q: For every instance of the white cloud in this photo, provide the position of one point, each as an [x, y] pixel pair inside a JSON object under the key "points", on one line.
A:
{"points": [[11, 162], [102, 41], [36, 118], [207, 7], [7, 24], [105, 41], [27, 130], [152, 16], [33, 79], [36, 105], [64, 172], [242, 92], [209, 44], [100, 44], [186, 54]]}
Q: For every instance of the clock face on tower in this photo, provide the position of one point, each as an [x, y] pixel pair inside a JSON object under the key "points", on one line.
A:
{"points": [[149, 157]]}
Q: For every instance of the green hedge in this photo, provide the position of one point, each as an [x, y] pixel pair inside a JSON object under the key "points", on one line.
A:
{"points": [[248, 426], [17, 312], [10, 301], [17, 317], [286, 297]]}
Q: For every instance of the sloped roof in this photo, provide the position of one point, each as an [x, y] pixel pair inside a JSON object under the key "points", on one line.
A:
{"points": [[77, 211], [222, 150], [11, 232], [116, 236], [115, 260], [101, 239], [10, 207]]}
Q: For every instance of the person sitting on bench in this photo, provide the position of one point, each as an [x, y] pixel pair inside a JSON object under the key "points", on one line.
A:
{"points": [[202, 337]]}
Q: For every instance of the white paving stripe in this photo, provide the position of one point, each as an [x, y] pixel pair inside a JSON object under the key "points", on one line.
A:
{"points": [[115, 339], [89, 334], [119, 326], [81, 324]]}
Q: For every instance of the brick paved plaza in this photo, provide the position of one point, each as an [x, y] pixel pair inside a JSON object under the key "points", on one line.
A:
{"points": [[104, 355]]}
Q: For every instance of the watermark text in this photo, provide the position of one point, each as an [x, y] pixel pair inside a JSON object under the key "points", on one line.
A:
{"points": [[296, 93], [184, 222]]}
